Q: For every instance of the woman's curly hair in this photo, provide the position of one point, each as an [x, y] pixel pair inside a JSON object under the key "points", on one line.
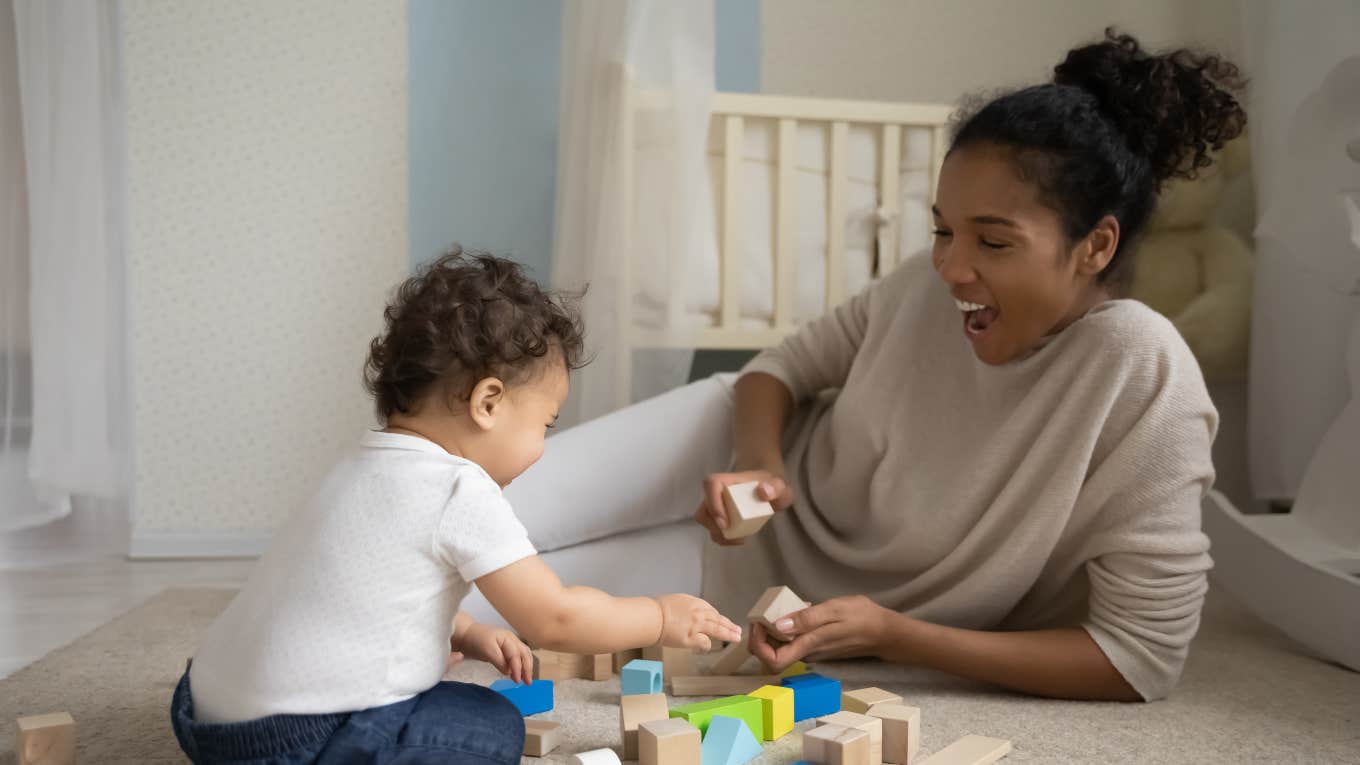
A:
{"points": [[1114, 125], [462, 318]]}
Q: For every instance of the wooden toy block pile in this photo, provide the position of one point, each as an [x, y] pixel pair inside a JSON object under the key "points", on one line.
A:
{"points": [[867, 726]]}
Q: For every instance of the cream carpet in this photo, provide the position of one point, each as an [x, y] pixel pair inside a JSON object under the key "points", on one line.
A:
{"points": [[1248, 695]]}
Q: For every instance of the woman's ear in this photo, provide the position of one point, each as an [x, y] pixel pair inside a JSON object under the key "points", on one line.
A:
{"points": [[486, 402], [1097, 250]]}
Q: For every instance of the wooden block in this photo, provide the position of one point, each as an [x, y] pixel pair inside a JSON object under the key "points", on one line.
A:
{"points": [[777, 703], [728, 742], [871, 725], [668, 742], [796, 668], [746, 513], [970, 750], [813, 695], [861, 700], [623, 657], [640, 676], [837, 745], [901, 731], [555, 665], [719, 685], [48, 739], [541, 737], [730, 660], [775, 604], [600, 666], [677, 662], [740, 707], [635, 710], [595, 757]]}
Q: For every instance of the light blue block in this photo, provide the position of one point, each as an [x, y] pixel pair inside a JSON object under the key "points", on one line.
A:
{"points": [[640, 676], [729, 741]]}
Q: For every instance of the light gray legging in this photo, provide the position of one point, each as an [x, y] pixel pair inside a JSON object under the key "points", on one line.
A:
{"points": [[611, 503]]}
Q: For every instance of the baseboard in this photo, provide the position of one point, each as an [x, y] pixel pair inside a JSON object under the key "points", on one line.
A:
{"points": [[152, 543]]}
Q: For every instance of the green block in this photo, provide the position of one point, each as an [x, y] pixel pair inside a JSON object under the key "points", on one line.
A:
{"points": [[744, 708]]}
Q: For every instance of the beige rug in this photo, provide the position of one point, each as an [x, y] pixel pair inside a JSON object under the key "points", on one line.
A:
{"points": [[1248, 695]]}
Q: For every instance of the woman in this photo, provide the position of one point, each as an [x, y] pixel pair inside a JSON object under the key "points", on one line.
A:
{"points": [[993, 470], [1016, 499]]}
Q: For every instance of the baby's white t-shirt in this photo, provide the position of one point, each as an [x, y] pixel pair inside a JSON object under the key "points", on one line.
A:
{"points": [[352, 606]]}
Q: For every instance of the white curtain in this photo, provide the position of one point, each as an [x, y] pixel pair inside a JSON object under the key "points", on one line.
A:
{"points": [[1308, 267], [665, 45], [64, 434]]}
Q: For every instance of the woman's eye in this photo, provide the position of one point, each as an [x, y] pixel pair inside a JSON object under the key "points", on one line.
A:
{"points": [[942, 232], [993, 245]]}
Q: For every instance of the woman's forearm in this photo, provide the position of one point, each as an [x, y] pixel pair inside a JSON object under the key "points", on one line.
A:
{"points": [[763, 404], [1059, 663]]}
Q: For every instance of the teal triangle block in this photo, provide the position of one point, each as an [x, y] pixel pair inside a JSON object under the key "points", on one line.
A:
{"points": [[729, 742]]}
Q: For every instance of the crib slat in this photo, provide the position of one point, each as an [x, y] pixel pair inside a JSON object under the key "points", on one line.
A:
{"points": [[890, 199], [939, 144], [731, 223], [783, 231], [835, 219], [623, 364]]}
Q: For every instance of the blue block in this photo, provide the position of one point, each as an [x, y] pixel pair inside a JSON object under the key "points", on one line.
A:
{"points": [[532, 698], [814, 695], [640, 676], [729, 741]]}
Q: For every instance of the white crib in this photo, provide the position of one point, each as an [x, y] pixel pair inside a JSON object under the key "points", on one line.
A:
{"points": [[870, 170]]}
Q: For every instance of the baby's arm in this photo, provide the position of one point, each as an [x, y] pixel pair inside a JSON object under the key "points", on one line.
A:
{"points": [[499, 648], [585, 620]]}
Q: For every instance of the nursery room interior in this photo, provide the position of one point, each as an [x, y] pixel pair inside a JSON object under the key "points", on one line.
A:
{"points": [[688, 382]]}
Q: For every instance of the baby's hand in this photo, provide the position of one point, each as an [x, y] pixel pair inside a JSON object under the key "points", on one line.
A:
{"points": [[500, 648], [689, 622]]}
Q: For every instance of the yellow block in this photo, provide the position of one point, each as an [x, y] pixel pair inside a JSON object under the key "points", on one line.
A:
{"points": [[777, 707], [796, 668]]}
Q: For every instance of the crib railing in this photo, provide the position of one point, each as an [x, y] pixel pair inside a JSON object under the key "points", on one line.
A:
{"points": [[734, 110]]}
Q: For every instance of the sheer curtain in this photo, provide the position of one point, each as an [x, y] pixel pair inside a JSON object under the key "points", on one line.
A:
{"points": [[64, 432], [657, 44]]}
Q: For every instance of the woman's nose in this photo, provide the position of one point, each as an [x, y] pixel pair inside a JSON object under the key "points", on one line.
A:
{"points": [[954, 265]]}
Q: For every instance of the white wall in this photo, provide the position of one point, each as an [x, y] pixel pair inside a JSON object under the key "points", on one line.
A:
{"points": [[267, 173], [929, 50]]}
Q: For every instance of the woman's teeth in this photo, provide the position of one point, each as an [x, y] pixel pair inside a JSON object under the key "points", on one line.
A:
{"points": [[967, 307]]}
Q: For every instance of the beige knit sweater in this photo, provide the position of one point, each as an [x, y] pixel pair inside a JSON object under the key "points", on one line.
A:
{"points": [[1063, 488]]}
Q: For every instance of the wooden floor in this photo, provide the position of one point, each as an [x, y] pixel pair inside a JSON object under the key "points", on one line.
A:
{"points": [[42, 609]]}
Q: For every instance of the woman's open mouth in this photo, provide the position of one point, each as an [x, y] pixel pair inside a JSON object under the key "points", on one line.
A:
{"points": [[977, 318]]}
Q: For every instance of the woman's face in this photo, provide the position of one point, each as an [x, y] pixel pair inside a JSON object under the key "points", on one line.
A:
{"points": [[1005, 259]]}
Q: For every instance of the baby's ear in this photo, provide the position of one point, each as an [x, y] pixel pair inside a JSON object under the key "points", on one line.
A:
{"points": [[486, 402]]}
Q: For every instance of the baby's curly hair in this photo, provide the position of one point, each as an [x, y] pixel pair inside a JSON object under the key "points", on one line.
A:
{"points": [[462, 318]]}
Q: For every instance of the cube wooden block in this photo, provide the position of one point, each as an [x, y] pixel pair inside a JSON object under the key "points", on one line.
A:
{"points": [[871, 725], [635, 710], [970, 750], [775, 604], [746, 513], [676, 662], [901, 731], [640, 676], [541, 737], [864, 698], [668, 742], [813, 695], [837, 745], [48, 739], [777, 707], [730, 659]]}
